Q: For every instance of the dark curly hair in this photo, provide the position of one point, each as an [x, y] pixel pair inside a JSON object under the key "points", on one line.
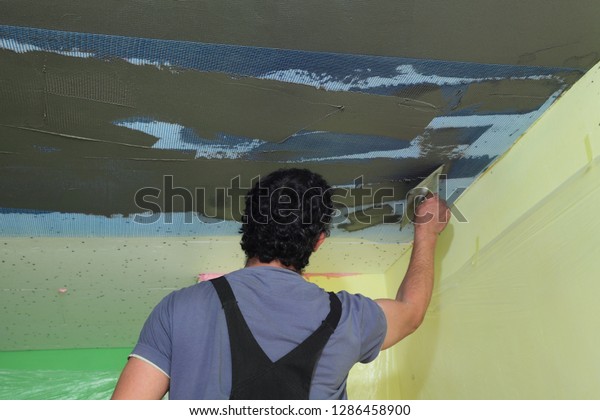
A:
{"points": [[284, 216]]}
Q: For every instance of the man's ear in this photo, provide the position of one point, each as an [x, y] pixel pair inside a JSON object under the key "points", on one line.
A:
{"points": [[320, 241]]}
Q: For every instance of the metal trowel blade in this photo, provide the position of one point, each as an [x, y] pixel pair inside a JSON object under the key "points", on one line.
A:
{"points": [[430, 185]]}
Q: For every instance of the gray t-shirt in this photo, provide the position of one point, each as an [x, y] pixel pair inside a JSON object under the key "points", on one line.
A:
{"points": [[186, 335]]}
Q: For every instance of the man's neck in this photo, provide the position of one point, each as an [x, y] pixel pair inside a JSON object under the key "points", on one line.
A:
{"points": [[255, 262]]}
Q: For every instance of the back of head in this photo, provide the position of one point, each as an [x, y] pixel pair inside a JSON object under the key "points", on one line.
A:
{"points": [[285, 214]]}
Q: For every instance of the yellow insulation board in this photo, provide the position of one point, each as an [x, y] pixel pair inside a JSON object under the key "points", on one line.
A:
{"points": [[515, 311]]}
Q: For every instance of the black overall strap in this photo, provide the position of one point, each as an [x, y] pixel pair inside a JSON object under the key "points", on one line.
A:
{"points": [[240, 336], [254, 375], [309, 350]]}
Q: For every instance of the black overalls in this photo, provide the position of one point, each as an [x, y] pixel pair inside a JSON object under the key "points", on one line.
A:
{"points": [[254, 376]]}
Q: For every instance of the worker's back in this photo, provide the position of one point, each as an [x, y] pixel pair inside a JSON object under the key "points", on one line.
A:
{"points": [[187, 336], [255, 376]]}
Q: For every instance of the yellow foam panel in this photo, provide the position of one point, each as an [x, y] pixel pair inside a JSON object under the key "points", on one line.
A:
{"points": [[514, 313]]}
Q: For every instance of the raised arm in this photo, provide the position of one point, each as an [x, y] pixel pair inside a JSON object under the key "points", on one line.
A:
{"points": [[406, 313]]}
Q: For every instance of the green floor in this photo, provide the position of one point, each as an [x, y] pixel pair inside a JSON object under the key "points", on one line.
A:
{"points": [[81, 374]]}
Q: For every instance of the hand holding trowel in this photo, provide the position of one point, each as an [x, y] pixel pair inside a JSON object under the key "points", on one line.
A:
{"points": [[425, 189]]}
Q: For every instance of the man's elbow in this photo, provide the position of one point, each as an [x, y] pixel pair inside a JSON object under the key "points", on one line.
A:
{"points": [[403, 318], [415, 320], [412, 327]]}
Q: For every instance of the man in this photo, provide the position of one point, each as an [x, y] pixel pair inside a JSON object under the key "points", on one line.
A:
{"points": [[263, 332]]}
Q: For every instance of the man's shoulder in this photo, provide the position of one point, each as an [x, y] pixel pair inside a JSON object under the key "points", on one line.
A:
{"points": [[355, 299], [192, 294], [362, 310]]}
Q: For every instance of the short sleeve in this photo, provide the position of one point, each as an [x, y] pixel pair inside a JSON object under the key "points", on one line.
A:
{"points": [[154, 343], [374, 328], [368, 322]]}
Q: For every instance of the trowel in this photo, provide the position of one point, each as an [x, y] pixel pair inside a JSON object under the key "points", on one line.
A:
{"points": [[427, 187]]}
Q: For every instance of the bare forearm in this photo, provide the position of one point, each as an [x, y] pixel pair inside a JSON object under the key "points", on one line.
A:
{"points": [[416, 288], [406, 312]]}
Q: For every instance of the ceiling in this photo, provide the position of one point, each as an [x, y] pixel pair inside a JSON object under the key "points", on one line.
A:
{"points": [[102, 99]]}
